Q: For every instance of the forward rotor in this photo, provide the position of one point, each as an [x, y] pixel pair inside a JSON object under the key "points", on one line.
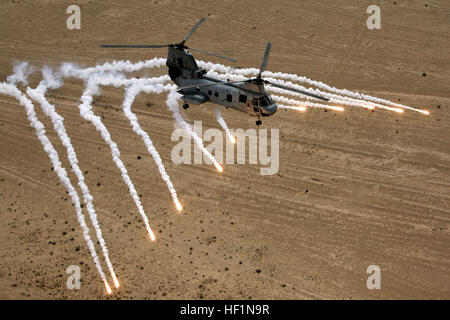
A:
{"points": [[180, 45]]}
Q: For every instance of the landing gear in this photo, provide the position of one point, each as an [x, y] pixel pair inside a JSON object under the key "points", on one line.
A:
{"points": [[258, 114], [185, 106]]}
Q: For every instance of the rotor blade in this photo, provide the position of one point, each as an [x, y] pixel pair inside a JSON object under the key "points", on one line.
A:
{"points": [[266, 57], [193, 29], [211, 84], [213, 54], [133, 46], [296, 90]]}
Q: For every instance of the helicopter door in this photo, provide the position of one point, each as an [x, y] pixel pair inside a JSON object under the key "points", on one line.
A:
{"points": [[252, 108]]}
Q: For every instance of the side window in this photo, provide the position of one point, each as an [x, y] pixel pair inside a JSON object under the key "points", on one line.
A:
{"points": [[242, 98], [216, 94], [229, 98], [209, 92]]}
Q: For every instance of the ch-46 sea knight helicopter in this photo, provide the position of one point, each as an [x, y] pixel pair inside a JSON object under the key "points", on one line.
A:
{"points": [[248, 96]]}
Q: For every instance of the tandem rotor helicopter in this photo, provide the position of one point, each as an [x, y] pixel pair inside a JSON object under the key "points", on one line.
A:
{"points": [[248, 96]]}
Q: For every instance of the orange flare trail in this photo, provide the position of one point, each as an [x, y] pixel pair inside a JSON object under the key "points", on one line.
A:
{"points": [[151, 234], [108, 288], [178, 205]]}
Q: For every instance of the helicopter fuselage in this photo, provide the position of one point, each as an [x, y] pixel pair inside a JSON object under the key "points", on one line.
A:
{"points": [[248, 97]]}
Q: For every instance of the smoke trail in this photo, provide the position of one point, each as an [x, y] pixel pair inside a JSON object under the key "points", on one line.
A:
{"points": [[118, 80], [312, 104], [68, 70], [333, 97], [223, 124], [130, 95], [172, 104], [304, 104], [11, 90], [87, 114], [345, 92], [21, 73], [297, 108], [216, 67], [38, 95], [212, 67]]}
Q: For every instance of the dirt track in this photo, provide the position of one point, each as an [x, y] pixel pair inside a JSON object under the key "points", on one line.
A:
{"points": [[354, 188]]}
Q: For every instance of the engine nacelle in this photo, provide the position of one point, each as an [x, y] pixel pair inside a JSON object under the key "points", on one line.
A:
{"points": [[195, 98]]}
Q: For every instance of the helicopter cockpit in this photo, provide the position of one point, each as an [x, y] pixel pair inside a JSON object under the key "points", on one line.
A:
{"points": [[263, 101], [266, 104]]}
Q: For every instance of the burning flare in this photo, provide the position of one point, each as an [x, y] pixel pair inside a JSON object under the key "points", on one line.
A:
{"points": [[398, 110], [116, 282], [151, 234], [178, 205], [108, 288], [336, 108]]}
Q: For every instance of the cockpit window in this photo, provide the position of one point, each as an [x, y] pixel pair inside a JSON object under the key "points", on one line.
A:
{"points": [[265, 101]]}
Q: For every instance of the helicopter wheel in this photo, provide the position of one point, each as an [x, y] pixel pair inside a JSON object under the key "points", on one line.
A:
{"points": [[258, 122], [185, 106]]}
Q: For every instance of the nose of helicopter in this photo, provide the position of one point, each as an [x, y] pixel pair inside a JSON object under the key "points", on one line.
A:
{"points": [[270, 110]]}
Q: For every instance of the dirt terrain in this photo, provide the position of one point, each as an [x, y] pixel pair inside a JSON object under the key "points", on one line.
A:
{"points": [[354, 189]]}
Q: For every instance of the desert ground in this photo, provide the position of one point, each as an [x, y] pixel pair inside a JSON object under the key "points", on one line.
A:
{"points": [[354, 188]]}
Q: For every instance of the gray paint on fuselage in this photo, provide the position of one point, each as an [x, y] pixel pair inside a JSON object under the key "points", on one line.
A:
{"points": [[218, 93], [184, 71]]}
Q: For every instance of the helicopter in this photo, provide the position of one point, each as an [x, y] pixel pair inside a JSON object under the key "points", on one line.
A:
{"points": [[197, 88]]}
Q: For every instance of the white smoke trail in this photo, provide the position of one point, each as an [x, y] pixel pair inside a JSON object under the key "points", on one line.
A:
{"points": [[298, 104], [345, 92], [212, 67], [312, 104], [297, 108], [117, 80], [334, 98], [11, 90], [21, 72], [38, 95], [70, 70], [337, 99], [216, 67], [130, 95], [87, 114], [172, 103], [223, 124]]}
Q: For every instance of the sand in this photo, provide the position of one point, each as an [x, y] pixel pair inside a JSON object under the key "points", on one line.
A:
{"points": [[354, 189]]}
